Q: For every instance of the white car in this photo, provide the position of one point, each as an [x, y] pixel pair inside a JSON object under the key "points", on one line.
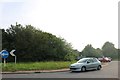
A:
{"points": [[86, 64]]}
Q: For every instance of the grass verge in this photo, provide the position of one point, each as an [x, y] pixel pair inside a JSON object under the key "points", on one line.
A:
{"points": [[35, 66]]}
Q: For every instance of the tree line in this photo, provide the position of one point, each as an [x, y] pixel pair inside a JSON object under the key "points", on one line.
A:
{"points": [[32, 45], [107, 50]]}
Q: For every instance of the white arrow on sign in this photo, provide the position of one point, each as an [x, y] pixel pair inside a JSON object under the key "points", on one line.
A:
{"points": [[12, 53], [4, 54]]}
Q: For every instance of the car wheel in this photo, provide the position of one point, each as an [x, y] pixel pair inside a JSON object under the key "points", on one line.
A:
{"points": [[83, 69], [99, 67]]}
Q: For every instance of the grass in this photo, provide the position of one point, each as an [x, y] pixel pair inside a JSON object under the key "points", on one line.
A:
{"points": [[36, 66]]}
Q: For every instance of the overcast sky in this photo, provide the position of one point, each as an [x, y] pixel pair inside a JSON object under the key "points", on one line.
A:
{"points": [[79, 22]]}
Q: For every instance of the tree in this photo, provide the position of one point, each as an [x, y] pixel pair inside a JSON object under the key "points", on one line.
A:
{"points": [[109, 50], [98, 52], [89, 51], [32, 44]]}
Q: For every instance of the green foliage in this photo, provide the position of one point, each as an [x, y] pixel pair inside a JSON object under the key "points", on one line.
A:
{"points": [[89, 51], [34, 45], [108, 49], [99, 52], [70, 57]]}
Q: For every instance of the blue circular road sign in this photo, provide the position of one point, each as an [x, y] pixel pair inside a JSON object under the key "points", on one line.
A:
{"points": [[4, 54]]}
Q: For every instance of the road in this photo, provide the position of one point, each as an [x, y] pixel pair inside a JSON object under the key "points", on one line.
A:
{"points": [[110, 70]]}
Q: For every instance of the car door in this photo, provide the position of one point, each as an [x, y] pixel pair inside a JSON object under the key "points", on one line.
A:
{"points": [[96, 63], [90, 64]]}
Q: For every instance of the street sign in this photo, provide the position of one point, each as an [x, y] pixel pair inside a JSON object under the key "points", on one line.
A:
{"points": [[13, 55], [4, 54], [12, 52]]}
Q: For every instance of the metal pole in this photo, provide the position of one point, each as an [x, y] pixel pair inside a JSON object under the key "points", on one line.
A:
{"points": [[4, 62], [15, 59]]}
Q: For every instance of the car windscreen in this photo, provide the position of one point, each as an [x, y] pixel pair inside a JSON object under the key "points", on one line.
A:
{"points": [[82, 60]]}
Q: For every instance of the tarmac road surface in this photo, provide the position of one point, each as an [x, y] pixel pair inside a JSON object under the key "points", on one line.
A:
{"points": [[110, 70]]}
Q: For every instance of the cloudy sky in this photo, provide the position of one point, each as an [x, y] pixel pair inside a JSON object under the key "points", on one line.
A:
{"points": [[80, 22]]}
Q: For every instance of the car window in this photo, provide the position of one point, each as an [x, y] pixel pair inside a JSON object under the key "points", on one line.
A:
{"points": [[90, 61], [95, 60], [82, 60]]}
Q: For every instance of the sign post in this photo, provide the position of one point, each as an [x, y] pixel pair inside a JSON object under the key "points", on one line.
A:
{"points": [[4, 62], [13, 55], [15, 59], [4, 55]]}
